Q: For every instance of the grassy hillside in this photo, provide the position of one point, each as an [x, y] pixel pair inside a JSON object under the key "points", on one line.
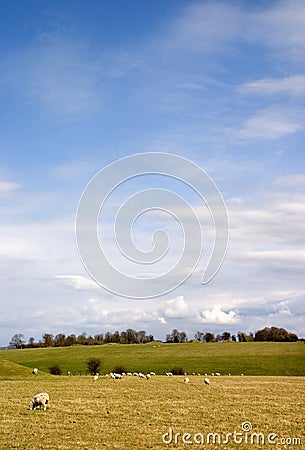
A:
{"points": [[250, 358], [12, 371]]}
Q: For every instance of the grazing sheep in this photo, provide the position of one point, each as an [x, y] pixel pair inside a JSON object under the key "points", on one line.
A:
{"points": [[35, 371], [115, 376], [129, 374], [148, 376], [152, 374], [206, 381], [186, 380], [217, 374], [135, 374], [169, 374], [40, 400], [141, 375], [95, 378]]}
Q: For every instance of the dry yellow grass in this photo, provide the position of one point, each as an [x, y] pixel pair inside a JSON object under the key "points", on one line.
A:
{"points": [[134, 413]]}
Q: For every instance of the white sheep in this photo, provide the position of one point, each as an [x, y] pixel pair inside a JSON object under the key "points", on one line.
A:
{"points": [[35, 371], [148, 376], [39, 400], [95, 378], [206, 381], [169, 374], [186, 380], [152, 374], [141, 375]]}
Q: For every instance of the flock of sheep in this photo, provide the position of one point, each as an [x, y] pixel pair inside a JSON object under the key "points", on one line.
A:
{"points": [[119, 376], [42, 399]]}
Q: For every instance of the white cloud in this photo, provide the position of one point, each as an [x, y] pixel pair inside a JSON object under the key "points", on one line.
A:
{"points": [[77, 282], [272, 123], [293, 181], [207, 26], [267, 221], [8, 186], [176, 308], [278, 260], [217, 316], [204, 26], [281, 26], [162, 320], [293, 85]]}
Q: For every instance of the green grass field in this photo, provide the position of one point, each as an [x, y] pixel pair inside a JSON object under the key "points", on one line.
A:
{"points": [[250, 358], [134, 414]]}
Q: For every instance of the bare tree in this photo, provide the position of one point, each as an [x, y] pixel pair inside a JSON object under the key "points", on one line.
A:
{"points": [[17, 340]]}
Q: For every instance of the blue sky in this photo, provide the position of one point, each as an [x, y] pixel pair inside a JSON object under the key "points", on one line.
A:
{"points": [[83, 84]]}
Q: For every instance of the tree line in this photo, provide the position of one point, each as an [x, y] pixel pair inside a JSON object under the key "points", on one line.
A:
{"points": [[266, 334], [131, 336]]}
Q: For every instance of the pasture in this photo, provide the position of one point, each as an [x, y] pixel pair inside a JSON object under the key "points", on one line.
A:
{"points": [[250, 358], [134, 414]]}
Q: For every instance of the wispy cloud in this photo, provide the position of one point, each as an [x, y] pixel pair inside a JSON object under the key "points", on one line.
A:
{"points": [[280, 26], [8, 186], [292, 86], [203, 27], [57, 72], [272, 123], [293, 181], [206, 26], [77, 282], [73, 170]]}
